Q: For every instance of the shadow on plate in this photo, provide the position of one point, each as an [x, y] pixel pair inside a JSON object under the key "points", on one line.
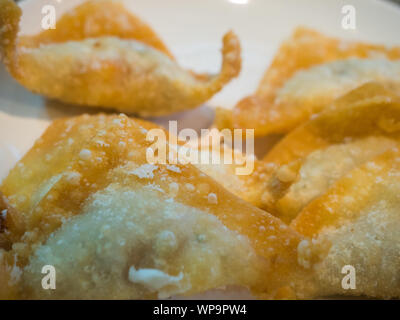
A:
{"points": [[17, 101]]}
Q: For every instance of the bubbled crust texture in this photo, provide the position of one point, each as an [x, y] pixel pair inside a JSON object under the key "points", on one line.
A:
{"points": [[334, 179], [122, 227], [359, 216], [78, 158], [268, 113], [323, 149]]}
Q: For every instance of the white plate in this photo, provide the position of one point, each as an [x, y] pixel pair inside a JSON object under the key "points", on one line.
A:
{"points": [[193, 30]]}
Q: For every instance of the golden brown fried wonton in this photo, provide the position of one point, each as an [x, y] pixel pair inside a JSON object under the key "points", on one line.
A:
{"points": [[99, 68], [305, 163], [360, 218], [90, 203], [308, 72]]}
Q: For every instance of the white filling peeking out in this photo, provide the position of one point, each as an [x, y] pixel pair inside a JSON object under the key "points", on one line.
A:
{"points": [[153, 279]]}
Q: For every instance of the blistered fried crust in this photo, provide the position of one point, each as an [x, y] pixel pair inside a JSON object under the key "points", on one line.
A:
{"points": [[246, 185], [359, 190], [294, 185], [82, 159], [371, 109], [94, 19], [310, 91], [267, 113], [356, 128], [239, 175], [9, 271], [133, 234], [359, 216], [110, 72]]}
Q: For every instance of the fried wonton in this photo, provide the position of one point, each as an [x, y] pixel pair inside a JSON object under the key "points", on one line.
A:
{"points": [[356, 128], [116, 226], [360, 218], [124, 69], [309, 71]]}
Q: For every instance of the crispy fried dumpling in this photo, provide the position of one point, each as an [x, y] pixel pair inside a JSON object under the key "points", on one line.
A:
{"points": [[312, 157], [371, 109], [88, 202], [308, 72], [309, 91], [294, 185], [359, 217], [126, 74]]}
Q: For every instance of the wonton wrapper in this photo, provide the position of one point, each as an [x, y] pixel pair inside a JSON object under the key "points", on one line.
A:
{"points": [[285, 98], [126, 74], [356, 128], [88, 202], [360, 217]]}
